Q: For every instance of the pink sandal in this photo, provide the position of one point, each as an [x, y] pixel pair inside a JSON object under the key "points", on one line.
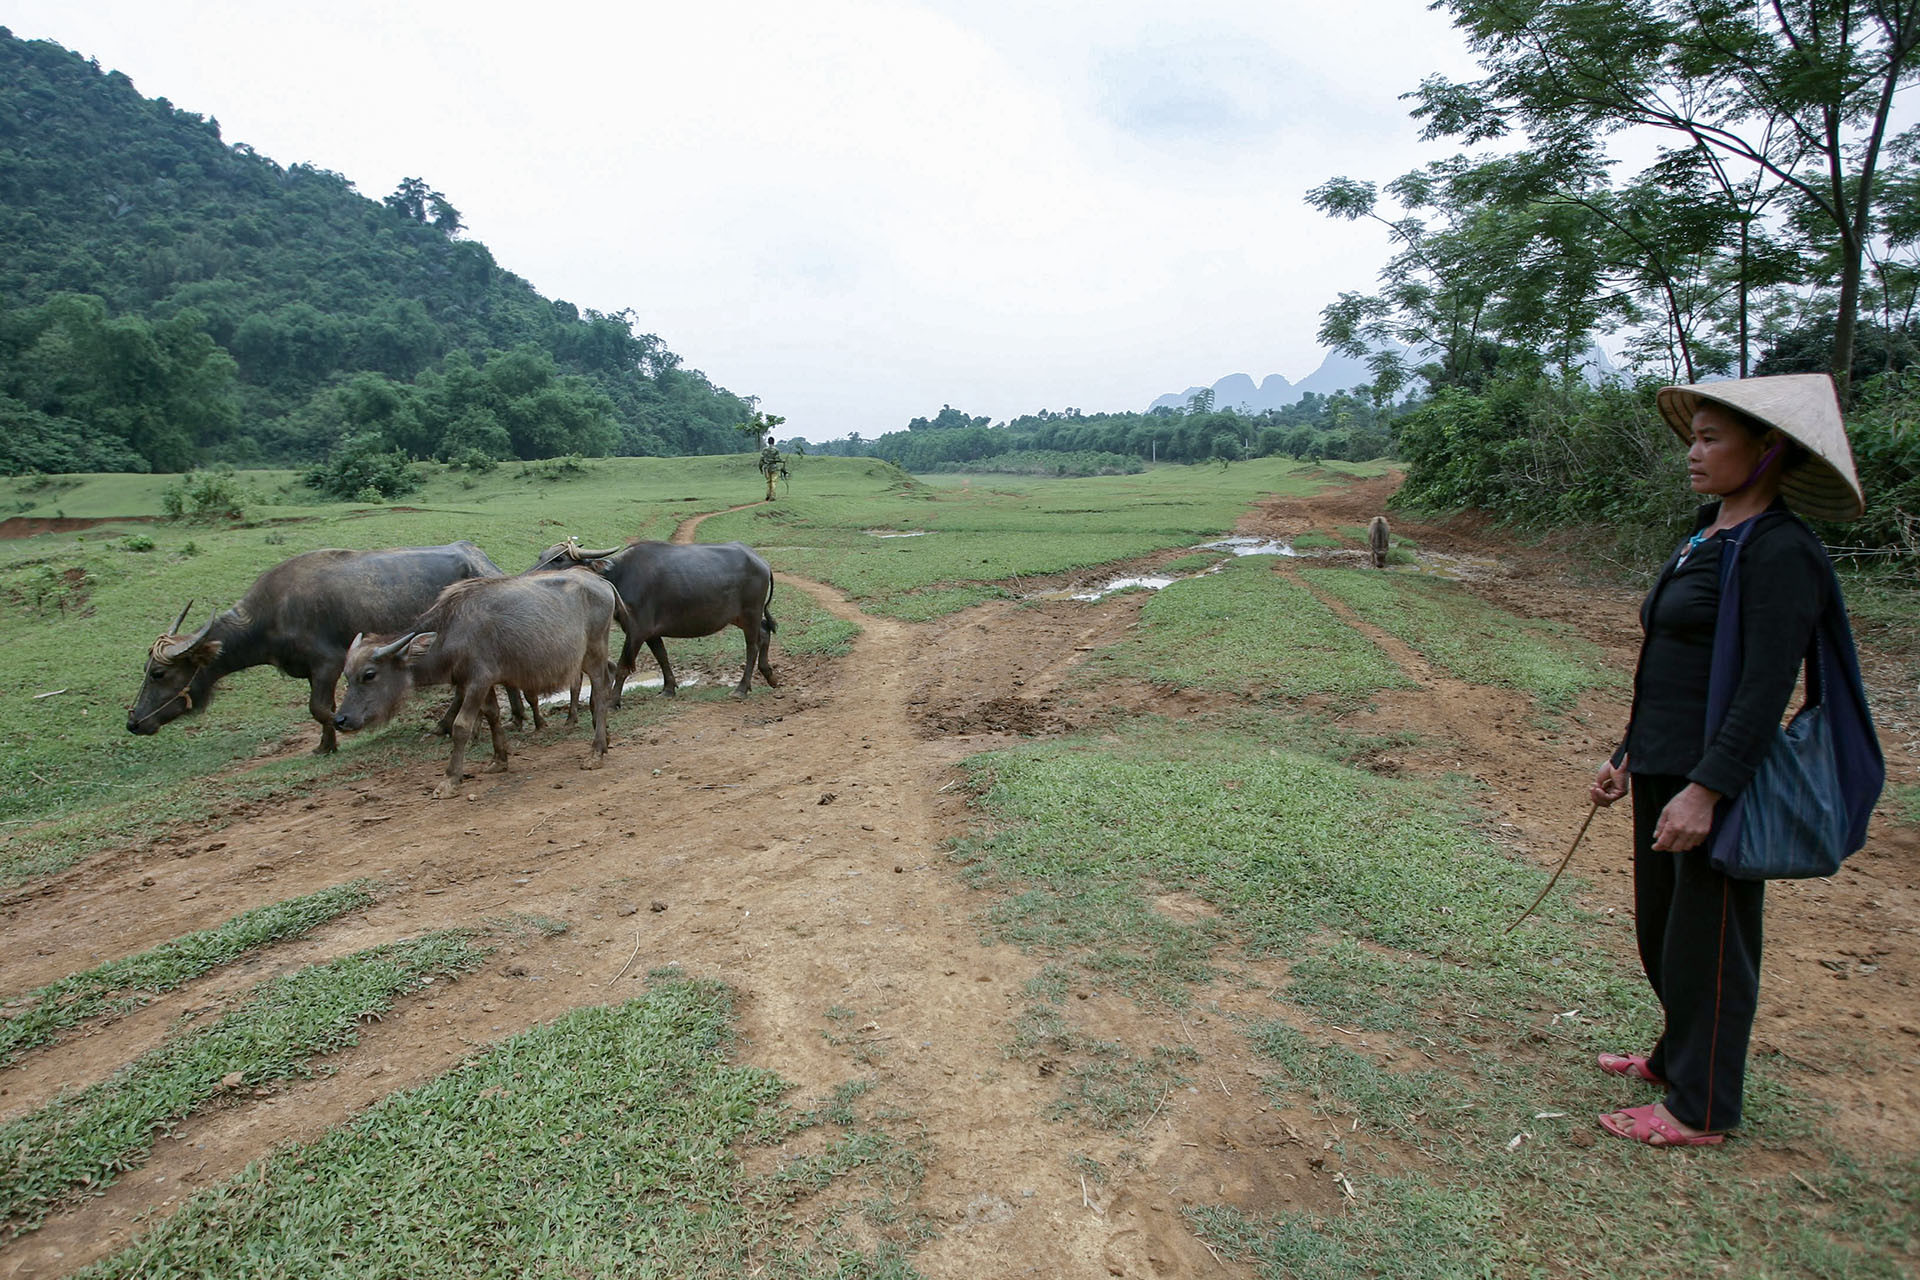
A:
{"points": [[1650, 1127], [1631, 1065]]}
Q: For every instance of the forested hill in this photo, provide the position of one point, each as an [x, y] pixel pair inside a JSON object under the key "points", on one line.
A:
{"points": [[167, 300]]}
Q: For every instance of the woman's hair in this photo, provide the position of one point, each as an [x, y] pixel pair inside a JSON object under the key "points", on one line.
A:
{"points": [[1792, 455]]}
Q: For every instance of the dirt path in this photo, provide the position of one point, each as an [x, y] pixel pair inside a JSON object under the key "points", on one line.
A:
{"points": [[793, 845]]}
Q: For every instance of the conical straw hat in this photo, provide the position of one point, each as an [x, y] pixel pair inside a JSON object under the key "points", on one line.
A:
{"points": [[1802, 406]]}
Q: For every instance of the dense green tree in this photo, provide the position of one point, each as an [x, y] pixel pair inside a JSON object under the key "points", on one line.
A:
{"points": [[1798, 92], [163, 391], [304, 282], [948, 419]]}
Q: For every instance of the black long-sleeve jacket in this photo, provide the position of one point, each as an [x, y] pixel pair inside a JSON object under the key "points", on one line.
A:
{"points": [[1784, 583]]}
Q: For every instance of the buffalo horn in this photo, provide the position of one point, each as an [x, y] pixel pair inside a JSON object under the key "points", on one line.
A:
{"points": [[583, 555], [388, 650], [174, 630]]}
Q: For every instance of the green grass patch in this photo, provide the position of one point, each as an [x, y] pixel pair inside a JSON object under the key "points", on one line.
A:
{"points": [[86, 1139], [1470, 639], [1287, 844], [988, 530], [602, 1144], [1902, 804], [1252, 632], [928, 603], [1319, 542], [1198, 562], [1103, 1083], [1547, 1214], [122, 985]]}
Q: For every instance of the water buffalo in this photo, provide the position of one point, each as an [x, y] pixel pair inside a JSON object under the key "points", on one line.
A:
{"points": [[1377, 541], [680, 591], [300, 616], [536, 633]]}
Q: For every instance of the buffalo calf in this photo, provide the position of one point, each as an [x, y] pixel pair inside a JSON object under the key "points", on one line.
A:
{"points": [[535, 633]]}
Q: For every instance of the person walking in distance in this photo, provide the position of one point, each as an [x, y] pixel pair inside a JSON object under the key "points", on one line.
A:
{"points": [[772, 465]]}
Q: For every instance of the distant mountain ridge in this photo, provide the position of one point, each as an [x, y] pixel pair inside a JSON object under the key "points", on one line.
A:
{"points": [[1237, 390], [1336, 373]]}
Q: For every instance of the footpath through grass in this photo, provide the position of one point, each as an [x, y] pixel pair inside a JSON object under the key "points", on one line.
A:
{"points": [[607, 1143], [78, 610], [1250, 631], [1453, 1060], [1470, 639]]}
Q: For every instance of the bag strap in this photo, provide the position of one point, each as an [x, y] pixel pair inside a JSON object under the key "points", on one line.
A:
{"points": [[1728, 652]]}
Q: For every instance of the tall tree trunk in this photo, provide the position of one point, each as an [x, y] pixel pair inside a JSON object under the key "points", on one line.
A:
{"points": [[1841, 366], [1740, 305]]}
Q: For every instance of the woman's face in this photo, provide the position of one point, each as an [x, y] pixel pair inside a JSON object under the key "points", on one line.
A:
{"points": [[1723, 455]]}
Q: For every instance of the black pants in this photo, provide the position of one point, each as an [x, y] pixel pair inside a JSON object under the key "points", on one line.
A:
{"points": [[1699, 937]]}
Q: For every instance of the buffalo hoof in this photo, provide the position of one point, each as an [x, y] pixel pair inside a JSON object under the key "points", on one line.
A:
{"points": [[597, 760], [494, 766], [447, 789], [326, 749]]}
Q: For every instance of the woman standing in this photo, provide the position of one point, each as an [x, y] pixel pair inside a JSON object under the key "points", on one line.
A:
{"points": [[1767, 448]]}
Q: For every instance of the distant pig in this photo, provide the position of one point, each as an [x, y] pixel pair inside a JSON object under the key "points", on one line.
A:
{"points": [[1377, 541], [535, 632]]}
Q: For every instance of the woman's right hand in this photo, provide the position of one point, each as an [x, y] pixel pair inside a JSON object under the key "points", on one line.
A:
{"points": [[1609, 784]]}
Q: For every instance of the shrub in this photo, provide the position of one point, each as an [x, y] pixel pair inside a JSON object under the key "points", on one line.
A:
{"points": [[1886, 452], [565, 467], [136, 542], [363, 468], [214, 494], [48, 589]]}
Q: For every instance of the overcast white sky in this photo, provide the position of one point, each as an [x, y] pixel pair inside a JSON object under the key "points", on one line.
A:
{"points": [[857, 210]]}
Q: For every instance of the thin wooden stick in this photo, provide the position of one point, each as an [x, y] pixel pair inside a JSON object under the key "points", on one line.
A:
{"points": [[1556, 871], [630, 959]]}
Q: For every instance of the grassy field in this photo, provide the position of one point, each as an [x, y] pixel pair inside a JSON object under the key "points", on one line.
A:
{"points": [[81, 608], [78, 610], [610, 1141]]}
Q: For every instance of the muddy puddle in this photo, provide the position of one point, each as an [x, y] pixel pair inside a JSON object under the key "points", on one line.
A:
{"points": [[559, 697], [1241, 545]]}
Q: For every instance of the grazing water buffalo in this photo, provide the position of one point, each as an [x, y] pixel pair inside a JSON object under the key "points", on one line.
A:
{"points": [[535, 633], [680, 591], [1377, 541], [300, 616]]}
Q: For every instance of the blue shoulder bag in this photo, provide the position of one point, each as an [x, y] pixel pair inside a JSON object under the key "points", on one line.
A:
{"points": [[1807, 805]]}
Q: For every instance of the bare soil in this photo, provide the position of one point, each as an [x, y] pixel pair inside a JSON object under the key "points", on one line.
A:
{"points": [[793, 845], [33, 526]]}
